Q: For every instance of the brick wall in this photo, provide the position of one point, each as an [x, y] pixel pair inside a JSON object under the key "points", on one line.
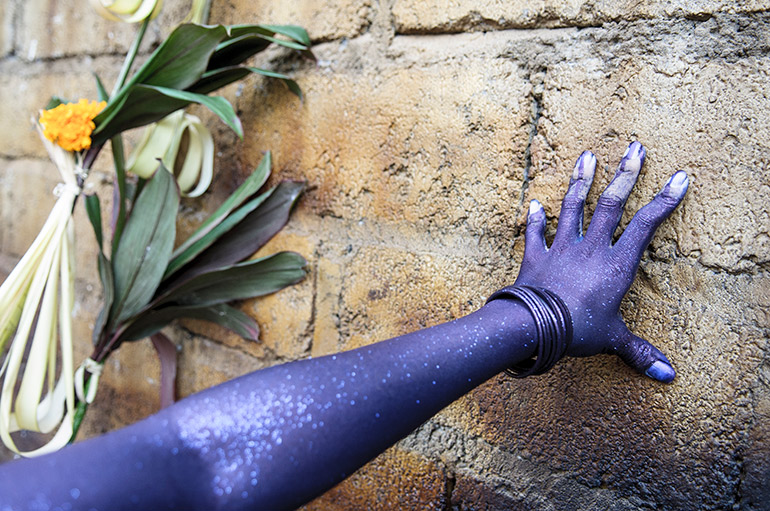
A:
{"points": [[426, 128]]}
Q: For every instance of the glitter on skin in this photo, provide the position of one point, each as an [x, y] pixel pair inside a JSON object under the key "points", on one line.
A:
{"points": [[276, 438]]}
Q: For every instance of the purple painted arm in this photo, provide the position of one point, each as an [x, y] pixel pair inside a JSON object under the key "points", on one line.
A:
{"points": [[276, 438]]}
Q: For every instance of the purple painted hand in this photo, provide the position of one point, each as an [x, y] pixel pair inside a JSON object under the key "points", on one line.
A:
{"points": [[589, 272]]}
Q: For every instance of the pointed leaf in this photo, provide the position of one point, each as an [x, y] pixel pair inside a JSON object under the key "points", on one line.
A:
{"points": [[253, 183], [101, 92], [244, 239], [295, 32], [206, 241], [291, 84], [118, 191], [231, 318], [108, 296], [258, 277], [235, 50], [222, 314], [182, 58], [218, 105], [146, 104], [145, 246], [218, 78], [94, 212], [177, 63]]}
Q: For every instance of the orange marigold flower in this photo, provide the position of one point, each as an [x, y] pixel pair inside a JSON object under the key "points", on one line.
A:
{"points": [[70, 124]]}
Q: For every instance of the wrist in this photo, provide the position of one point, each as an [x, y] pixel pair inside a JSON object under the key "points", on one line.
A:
{"points": [[552, 326]]}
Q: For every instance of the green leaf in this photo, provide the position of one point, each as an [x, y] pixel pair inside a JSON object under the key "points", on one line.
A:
{"points": [[235, 50], [217, 232], [287, 44], [151, 104], [257, 277], [224, 315], [295, 32], [218, 78], [243, 41], [182, 57], [218, 105], [108, 295], [55, 101], [177, 63], [291, 84], [244, 239], [94, 212], [248, 188], [145, 246], [118, 191], [102, 93]]}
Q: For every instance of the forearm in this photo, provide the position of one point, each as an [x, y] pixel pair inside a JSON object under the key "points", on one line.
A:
{"points": [[276, 438], [306, 426]]}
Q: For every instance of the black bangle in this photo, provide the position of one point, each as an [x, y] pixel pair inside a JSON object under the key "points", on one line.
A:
{"points": [[553, 327]]}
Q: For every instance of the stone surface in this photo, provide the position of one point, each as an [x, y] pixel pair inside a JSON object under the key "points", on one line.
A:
{"points": [[27, 88], [696, 426], [324, 20], [426, 160], [414, 482], [55, 29], [434, 16], [420, 153], [663, 100], [7, 10]]}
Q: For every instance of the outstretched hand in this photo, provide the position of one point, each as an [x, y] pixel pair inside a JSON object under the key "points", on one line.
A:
{"points": [[589, 272]]}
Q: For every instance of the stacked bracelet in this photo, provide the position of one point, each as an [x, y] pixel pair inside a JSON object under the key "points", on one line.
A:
{"points": [[553, 326]]}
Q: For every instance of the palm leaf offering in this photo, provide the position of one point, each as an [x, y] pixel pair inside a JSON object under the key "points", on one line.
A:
{"points": [[146, 282]]}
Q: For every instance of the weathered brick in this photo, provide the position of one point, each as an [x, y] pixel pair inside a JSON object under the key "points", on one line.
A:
{"points": [[396, 479], [27, 198], [7, 10], [437, 141], [325, 20], [418, 16], [54, 29], [31, 85], [204, 363], [698, 118], [635, 433]]}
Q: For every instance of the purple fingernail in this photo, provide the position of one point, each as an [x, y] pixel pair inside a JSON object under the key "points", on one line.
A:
{"points": [[678, 184], [633, 160], [534, 207], [661, 371], [632, 149], [581, 164]]}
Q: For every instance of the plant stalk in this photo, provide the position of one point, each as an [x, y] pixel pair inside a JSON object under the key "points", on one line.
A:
{"points": [[130, 57]]}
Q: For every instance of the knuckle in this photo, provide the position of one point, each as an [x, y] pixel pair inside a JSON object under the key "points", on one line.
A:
{"points": [[667, 202], [609, 202], [572, 203], [646, 219], [620, 263]]}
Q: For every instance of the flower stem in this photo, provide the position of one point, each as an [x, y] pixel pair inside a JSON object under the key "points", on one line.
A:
{"points": [[80, 413], [130, 57]]}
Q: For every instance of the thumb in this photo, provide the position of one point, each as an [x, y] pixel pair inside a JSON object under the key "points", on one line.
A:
{"points": [[645, 358]]}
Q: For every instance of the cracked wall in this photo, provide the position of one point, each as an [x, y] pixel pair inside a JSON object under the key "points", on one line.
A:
{"points": [[424, 130]]}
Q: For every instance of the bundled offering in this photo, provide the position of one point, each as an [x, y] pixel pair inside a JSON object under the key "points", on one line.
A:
{"points": [[146, 282]]}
